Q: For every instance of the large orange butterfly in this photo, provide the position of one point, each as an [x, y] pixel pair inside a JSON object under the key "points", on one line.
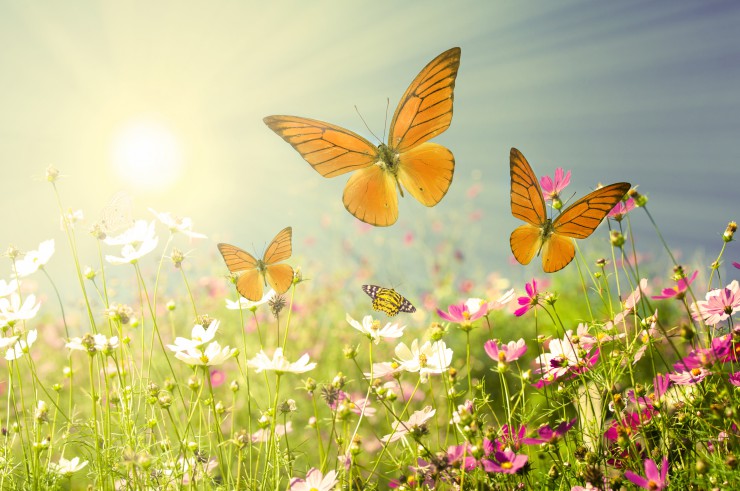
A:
{"points": [[553, 238], [425, 169], [253, 272]]}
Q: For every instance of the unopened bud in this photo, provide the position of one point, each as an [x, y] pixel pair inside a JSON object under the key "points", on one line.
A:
{"points": [[729, 231]]}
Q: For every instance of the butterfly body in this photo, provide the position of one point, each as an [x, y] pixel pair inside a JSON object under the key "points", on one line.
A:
{"points": [[255, 274], [388, 300], [552, 238], [407, 161]]}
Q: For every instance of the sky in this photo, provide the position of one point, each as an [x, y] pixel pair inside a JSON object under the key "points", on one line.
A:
{"points": [[644, 92]]}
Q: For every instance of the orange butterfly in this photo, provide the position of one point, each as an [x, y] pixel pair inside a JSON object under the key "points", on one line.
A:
{"points": [[425, 169], [256, 272], [551, 237]]}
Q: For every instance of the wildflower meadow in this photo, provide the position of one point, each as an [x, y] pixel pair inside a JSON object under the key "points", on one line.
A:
{"points": [[611, 374]]}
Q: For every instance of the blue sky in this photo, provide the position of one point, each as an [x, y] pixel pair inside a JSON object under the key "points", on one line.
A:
{"points": [[645, 92]]}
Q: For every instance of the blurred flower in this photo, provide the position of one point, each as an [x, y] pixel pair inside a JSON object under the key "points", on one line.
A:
{"points": [[21, 346], [565, 356], [176, 224], [211, 356], [11, 310], [654, 480], [737, 265], [8, 288], [7, 342], [245, 304], [67, 467], [429, 358], [414, 424], [408, 238], [501, 302], [380, 370], [550, 435], [635, 296], [621, 209], [33, 260], [71, 217], [461, 313], [551, 188], [279, 364], [263, 434], [735, 379], [97, 342], [719, 304], [315, 481], [357, 406], [506, 462], [677, 291], [198, 337], [690, 377], [505, 352], [218, 377], [371, 328], [530, 301], [140, 231], [474, 190]]}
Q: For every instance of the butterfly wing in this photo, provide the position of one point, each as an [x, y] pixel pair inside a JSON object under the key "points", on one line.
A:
{"points": [[425, 110], [388, 300], [279, 277], [581, 218], [557, 252], [426, 171], [331, 150], [117, 214], [528, 204], [370, 195], [242, 262], [281, 247]]}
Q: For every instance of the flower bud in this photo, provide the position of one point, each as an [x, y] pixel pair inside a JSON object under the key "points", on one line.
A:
{"points": [[52, 174], [640, 200], [616, 238], [729, 231]]}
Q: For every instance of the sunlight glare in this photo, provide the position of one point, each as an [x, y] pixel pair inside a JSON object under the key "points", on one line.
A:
{"points": [[147, 154]]}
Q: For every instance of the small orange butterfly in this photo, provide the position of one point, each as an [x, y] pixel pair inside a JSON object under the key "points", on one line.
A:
{"points": [[253, 272], [425, 169], [551, 237]]}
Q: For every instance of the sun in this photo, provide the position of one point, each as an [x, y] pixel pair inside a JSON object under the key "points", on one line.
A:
{"points": [[147, 154]]}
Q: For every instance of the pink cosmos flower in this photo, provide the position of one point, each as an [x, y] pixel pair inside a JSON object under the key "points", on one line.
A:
{"points": [[551, 188], [653, 480], [565, 356], [737, 265], [621, 209], [677, 291], [530, 301], [505, 353], [690, 377], [719, 304], [735, 379], [461, 314], [512, 439], [464, 454], [315, 480], [507, 462], [660, 386], [550, 435]]}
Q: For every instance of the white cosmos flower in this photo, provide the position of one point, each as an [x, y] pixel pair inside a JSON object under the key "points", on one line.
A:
{"points": [[8, 288], [198, 337], [211, 356], [279, 363], [140, 231], [429, 358], [67, 467], [7, 342], [176, 224], [244, 304], [33, 260], [21, 346], [372, 329], [382, 369], [12, 310], [402, 428], [130, 254], [314, 481]]}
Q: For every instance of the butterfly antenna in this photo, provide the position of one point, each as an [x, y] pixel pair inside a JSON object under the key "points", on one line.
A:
{"points": [[387, 106], [366, 126]]}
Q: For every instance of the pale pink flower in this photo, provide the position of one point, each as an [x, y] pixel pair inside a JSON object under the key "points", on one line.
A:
{"points": [[402, 428], [689, 377], [315, 481], [508, 353], [719, 304], [263, 434]]}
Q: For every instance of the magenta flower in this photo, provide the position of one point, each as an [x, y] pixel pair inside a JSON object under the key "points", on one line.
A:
{"points": [[621, 209], [506, 462], [735, 379], [466, 454], [719, 304], [549, 435], [461, 314], [505, 353], [530, 301], [690, 377], [737, 265], [511, 438], [551, 188], [677, 291], [653, 480], [660, 386]]}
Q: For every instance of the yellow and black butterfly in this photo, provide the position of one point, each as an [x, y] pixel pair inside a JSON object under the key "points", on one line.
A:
{"points": [[254, 273], [425, 169], [388, 300], [553, 238]]}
